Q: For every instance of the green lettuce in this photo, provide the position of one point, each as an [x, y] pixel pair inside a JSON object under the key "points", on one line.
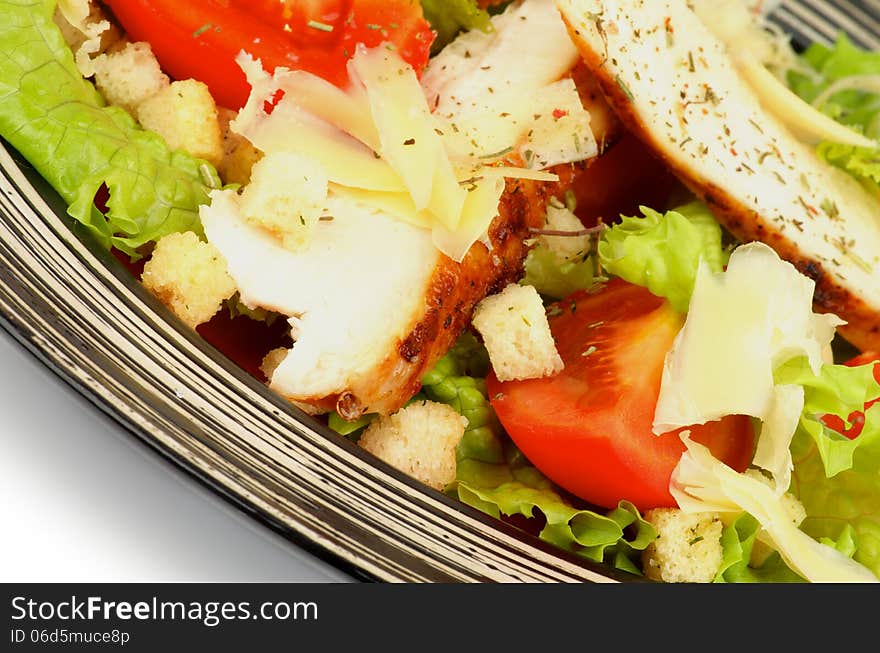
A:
{"points": [[493, 476], [738, 542], [554, 279], [62, 126], [836, 478], [863, 163], [856, 104], [448, 18], [842, 60], [662, 252]]}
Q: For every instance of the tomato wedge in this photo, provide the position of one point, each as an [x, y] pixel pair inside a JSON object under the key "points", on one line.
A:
{"points": [[200, 38], [589, 428]]}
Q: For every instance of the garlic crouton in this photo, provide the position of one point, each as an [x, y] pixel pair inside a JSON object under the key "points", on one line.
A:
{"points": [[687, 549], [185, 115], [239, 154], [420, 440], [189, 276], [517, 335], [286, 197], [128, 76]]}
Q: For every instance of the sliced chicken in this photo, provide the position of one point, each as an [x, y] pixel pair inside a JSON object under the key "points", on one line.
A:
{"points": [[676, 86], [373, 303]]}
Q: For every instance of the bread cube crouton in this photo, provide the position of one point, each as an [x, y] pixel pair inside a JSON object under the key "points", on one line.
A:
{"points": [[185, 115], [517, 335], [128, 76], [420, 440], [189, 276], [286, 197], [687, 549], [239, 154], [565, 248]]}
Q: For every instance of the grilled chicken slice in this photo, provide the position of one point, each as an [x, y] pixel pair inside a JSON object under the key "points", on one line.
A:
{"points": [[375, 304], [676, 86]]}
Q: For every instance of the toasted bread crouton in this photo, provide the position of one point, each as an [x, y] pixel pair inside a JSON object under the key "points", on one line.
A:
{"points": [[185, 115], [239, 154], [687, 549], [189, 276], [420, 440], [126, 77], [286, 196], [517, 335]]}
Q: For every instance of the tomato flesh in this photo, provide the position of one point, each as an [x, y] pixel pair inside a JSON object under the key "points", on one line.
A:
{"points": [[201, 38], [589, 428]]}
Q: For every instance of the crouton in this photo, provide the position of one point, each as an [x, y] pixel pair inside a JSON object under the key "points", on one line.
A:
{"points": [[126, 77], [517, 335], [286, 197], [189, 276], [564, 248], [239, 154], [420, 440], [687, 549], [185, 115]]}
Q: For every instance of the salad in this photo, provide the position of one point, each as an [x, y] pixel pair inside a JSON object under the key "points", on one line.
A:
{"points": [[605, 270]]}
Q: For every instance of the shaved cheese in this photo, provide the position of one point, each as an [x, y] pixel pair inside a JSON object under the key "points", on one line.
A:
{"points": [[291, 128], [407, 131], [701, 483], [480, 208], [379, 144], [77, 12], [398, 205], [716, 369], [561, 130]]}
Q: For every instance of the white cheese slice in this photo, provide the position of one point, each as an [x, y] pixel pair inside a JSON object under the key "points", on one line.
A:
{"points": [[742, 324], [701, 483], [408, 134]]}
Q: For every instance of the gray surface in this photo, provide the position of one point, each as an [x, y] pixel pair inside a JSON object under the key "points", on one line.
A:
{"points": [[83, 501]]}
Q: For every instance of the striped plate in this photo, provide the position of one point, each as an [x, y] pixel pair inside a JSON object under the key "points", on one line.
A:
{"points": [[80, 312]]}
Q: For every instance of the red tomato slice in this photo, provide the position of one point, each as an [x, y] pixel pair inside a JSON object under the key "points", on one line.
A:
{"points": [[200, 38], [589, 428]]}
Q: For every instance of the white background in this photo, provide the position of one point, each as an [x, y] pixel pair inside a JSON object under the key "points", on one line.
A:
{"points": [[81, 500]]}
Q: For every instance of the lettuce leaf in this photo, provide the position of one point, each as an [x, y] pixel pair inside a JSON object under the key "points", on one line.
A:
{"points": [[863, 163], [836, 478], [662, 252], [556, 279], [738, 541], [450, 17], [833, 64], [494, 477], [62, 126], [856, 73]]}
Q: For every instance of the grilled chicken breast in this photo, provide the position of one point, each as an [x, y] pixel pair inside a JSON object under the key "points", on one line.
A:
{"points": [[373, 303], [676, 86]]}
